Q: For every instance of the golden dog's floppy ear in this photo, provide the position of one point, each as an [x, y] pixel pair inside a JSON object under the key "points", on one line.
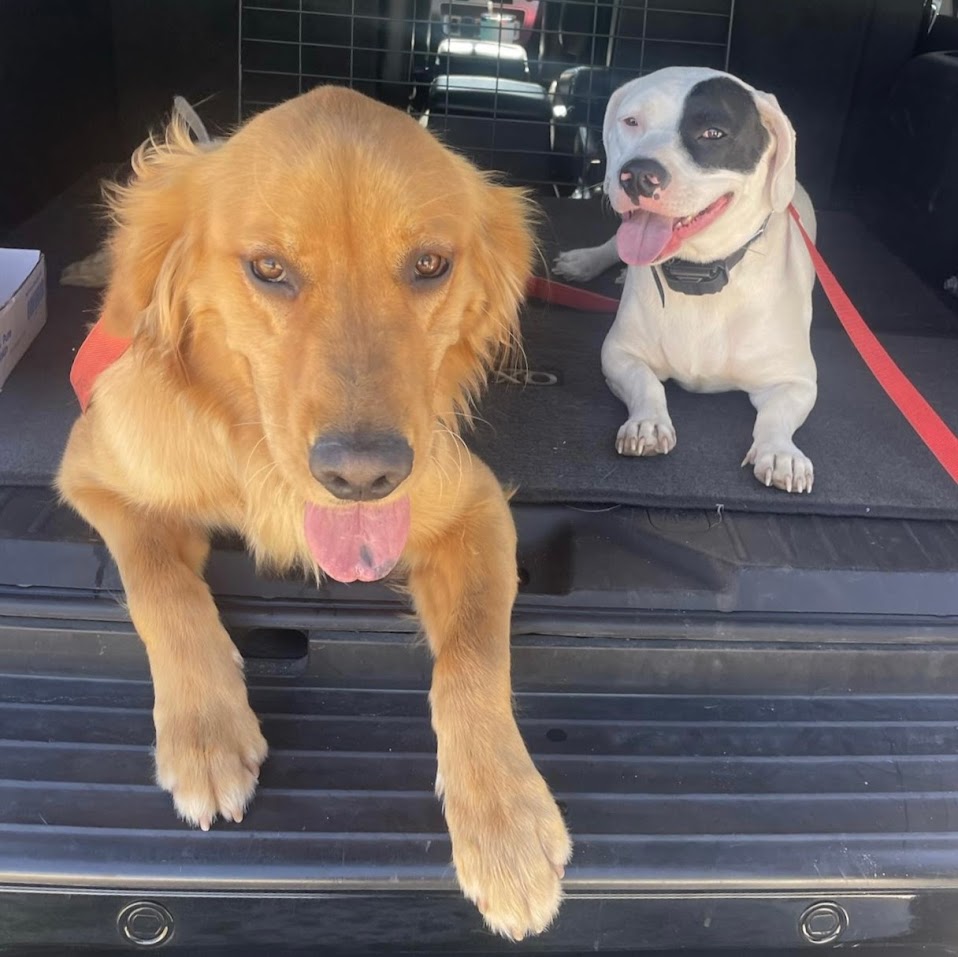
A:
{"points": [[500, 265], [151, 238], [781, 174]]}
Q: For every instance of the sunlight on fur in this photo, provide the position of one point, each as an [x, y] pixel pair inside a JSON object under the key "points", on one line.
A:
{"points": [[329, 278]]}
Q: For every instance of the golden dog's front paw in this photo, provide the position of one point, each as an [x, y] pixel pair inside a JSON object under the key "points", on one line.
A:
{"points": [[510, 847], [209, 758]]}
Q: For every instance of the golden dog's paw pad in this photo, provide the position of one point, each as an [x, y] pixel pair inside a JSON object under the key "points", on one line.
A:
{"points": [[213, 773], [510, 860]]}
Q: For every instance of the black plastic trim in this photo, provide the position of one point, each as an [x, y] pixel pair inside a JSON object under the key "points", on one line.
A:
{"points": [[586, 571]]}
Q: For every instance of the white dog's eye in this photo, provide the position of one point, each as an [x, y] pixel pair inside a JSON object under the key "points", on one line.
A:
{"points": [[631, 121], [712, 133]]}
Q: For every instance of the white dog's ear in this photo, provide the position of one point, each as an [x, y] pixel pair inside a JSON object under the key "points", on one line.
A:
{"points": [[781, 174]]}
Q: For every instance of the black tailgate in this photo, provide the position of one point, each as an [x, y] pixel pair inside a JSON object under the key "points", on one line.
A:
{"points": [[733, 774]]}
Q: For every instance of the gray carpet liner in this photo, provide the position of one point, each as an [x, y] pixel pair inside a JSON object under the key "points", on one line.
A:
{"points": [[556, 442], [867, 459]]}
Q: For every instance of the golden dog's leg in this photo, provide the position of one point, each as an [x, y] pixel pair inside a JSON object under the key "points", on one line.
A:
{"points": [[208, 742], [509, 841]]}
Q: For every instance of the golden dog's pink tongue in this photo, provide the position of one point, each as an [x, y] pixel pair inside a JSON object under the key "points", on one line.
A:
{"points": [[642, 238], [357, 542]]}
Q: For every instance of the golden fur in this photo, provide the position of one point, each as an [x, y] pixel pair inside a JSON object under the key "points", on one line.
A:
{"points": [[206, 423]]}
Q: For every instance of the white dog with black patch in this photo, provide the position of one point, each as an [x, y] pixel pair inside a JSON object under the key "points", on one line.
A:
{"points": [[718, 293]]}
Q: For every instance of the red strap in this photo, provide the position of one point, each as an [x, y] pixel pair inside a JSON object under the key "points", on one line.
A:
{"points": [[932, 429], [98, 351], [559, 294]]}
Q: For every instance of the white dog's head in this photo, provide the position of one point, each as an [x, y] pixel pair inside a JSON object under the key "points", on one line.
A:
{"points": [[696, 161]]}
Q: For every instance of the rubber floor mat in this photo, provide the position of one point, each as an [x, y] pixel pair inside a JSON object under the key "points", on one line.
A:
{"points": [[556, 441], [554, 435]]}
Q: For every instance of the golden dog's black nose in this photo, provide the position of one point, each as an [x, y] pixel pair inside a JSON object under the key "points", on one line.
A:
{"points": [[643, 177], [361, 466]]}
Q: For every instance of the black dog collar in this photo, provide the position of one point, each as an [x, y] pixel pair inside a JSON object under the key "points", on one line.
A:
{"points": [[700, 279]]}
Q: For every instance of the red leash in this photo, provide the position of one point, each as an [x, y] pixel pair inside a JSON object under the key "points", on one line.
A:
{"points": [[559, 294], [941, 441], [931, 428]]}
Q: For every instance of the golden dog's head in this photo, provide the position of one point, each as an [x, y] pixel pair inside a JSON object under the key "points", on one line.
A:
{"points": [[331, 272]]}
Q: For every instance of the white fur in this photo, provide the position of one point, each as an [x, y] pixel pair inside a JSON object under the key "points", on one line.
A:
{"points": [[752, 336]]}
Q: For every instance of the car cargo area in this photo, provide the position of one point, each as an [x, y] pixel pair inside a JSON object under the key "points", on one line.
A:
{"points": [[746, 702]]}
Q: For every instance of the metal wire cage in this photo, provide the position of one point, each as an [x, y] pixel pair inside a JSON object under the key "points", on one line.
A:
{"points": [[520, 87]]}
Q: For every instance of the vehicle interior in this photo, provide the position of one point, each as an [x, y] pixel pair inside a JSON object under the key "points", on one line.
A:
{"points": [[744, 700]]}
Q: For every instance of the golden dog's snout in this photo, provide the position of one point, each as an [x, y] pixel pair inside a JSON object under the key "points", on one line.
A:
{"points": [[361, 466]]}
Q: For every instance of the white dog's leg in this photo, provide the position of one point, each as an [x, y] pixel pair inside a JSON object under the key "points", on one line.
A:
{"points": [[581, 265], [92, 272], [775, 458], [648, 429]]}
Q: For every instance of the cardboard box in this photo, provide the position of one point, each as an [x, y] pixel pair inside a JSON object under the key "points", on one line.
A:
{"points": [[23, 304]]}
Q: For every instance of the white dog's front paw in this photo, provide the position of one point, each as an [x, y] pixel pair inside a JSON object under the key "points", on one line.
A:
{"points": [[579, 265], [781, 464], [620, 279], [93, 272], [646, 437]]}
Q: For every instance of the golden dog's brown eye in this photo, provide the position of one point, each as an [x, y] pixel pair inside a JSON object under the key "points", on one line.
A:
{"points": [[268, 269], [431, 266]]}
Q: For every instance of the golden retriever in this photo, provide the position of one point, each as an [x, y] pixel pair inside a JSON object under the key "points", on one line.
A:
{"points": [[296, 322]]}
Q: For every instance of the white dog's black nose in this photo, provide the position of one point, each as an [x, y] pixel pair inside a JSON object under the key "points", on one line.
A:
{"points": [[361, 466], [643, 177]]}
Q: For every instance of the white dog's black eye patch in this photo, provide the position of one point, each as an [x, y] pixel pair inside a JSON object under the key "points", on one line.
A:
{"points": [[722, 104]]}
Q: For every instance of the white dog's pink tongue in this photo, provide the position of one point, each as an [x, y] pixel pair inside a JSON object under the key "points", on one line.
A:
{"points": [[642, 238], [358, 542]]}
